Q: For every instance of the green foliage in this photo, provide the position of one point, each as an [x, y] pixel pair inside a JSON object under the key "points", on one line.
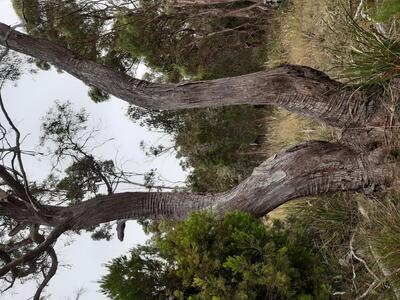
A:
{"points": [[101, 232], [189, 43], [98, 95], [80, 27], [374, 57], [331, 221], [218, 146], [48, 19], [205, 257], [10, 66], [62, 123], [221, 145], [139, 275], [168, 121], [355, 237], [83, 176], [369, 55]]}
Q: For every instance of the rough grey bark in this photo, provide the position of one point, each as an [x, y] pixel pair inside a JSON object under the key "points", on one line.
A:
{"points": [[297, 88], [311, 168], [183, 3], [249, 12], [308, 169]]}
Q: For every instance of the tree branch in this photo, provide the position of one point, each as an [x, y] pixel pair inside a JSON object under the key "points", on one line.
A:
{"points": [[50, 274], [12, 183], [34, 203], [311, 168], [42, 247], [297, 88]]}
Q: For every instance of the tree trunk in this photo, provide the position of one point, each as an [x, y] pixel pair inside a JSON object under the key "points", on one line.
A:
{"points": [[249, 12], [297, 88], [184, 3], [308, 169]]}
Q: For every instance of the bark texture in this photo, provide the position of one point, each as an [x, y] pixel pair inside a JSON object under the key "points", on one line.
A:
{"points": [[183, 3], [297, 88], [311, 168]]}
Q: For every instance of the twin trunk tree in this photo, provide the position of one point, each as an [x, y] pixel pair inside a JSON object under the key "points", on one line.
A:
{"points": [[359, 161]]}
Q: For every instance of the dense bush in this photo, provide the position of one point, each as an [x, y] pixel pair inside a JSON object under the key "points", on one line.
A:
{"points": [[205, 257]]}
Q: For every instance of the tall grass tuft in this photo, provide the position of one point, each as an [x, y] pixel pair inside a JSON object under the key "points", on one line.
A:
{"points": [[331, 219], [337, 226], [373, 54], [384, 236]]}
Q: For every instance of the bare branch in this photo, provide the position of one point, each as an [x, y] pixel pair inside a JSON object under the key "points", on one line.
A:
{"points": [[52, 271], [35, 204], [14, 184], [42, 247]]}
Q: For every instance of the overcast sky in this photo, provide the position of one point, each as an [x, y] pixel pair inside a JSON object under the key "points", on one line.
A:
{"points": [[27, 103]]}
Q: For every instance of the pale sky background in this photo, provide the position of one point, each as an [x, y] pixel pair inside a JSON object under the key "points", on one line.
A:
{"points": [[27, 103]]}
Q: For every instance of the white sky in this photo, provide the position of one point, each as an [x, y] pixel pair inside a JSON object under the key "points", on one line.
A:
{"points": [[27, 103]]}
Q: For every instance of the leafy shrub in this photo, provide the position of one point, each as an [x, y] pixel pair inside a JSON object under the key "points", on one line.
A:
{"points": [[236, 257]]}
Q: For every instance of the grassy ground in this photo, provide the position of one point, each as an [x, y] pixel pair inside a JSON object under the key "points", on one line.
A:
{"points": [[298, 39], [360, 238], [300, 34]]}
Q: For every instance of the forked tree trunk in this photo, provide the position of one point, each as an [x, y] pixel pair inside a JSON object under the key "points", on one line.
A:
{"points": [[308, 169], [297, 88]]}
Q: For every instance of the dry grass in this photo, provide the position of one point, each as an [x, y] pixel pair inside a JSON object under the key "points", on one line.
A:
{"points": [[302, 34], [301, 31], [286, 129], [297, 41], [300, 38]]}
